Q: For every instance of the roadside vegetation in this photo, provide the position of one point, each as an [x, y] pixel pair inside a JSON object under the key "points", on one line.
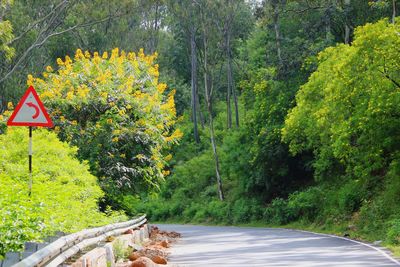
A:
{"points": [[279, 113], [64, 194]]}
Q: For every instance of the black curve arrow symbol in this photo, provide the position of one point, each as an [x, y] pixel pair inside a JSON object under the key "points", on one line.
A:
{"points": [[37, 112]]}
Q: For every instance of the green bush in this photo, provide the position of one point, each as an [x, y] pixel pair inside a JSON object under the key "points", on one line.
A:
{"points": [[64, 193], [218, 211], [393, 233], [306, 204], [278, 212], [350, 197]]}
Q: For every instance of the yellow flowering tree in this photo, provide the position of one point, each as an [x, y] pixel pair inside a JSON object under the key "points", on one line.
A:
{"points": [[114, 109]]}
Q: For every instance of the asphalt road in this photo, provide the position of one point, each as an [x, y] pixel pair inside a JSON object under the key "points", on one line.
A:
{"points": [[242, 246]]}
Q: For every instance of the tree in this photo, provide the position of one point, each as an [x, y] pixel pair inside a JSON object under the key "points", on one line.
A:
{"points": [[347, 112], [185, 13], [114, 110], [6, 33], [49, 29], [209, 87]]}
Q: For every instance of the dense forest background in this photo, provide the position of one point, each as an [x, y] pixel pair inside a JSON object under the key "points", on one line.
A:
{"points": [[288, 108]]}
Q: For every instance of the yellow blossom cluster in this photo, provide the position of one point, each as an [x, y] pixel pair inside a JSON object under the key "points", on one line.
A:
{"points": [[112, 97]]}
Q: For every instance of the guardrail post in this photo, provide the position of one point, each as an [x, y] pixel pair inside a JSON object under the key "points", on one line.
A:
{"points": [[11, 259], [109, 255]]}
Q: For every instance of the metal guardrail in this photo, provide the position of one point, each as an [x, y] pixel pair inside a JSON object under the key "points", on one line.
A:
{"points": [[62, 248]]}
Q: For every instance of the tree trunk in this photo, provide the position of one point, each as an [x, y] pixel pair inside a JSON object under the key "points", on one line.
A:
{"points": [[346, 25], [156, 27], [394, 11], [212, 138], [228, 105], [231, 86], [275, 17], [194, 83], [200, 114], [328, 27], [208, 95]]}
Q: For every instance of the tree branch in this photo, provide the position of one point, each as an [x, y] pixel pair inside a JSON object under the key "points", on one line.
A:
{"points": [[31, 26], [390, 78], [38, 43]]}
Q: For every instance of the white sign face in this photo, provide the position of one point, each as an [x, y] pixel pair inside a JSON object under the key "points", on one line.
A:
{"points": [[30, 111]]}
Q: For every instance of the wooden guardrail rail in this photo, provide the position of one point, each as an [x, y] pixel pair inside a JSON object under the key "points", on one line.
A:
{"points": [[64, 247]]}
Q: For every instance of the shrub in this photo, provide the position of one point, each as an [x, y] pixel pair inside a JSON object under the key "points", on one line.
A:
{"points": [[393, 233], [350, 197], [306, 204], [64, 193], [278, 212], [116, 112]]}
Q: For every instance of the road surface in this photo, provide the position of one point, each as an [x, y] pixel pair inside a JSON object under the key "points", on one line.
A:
{"points": [[252, 247]]}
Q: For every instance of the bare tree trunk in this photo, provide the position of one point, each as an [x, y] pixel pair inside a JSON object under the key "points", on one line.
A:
{"points": [[231, 86], [228, 105], [346, 34], [212, 137], [200, 114], [275, 6], [328, 22], [156, 26], [347, 26], [194, 83], [394, 11], [208, 88]]}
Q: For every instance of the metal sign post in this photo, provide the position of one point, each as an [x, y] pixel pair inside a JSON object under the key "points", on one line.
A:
{"points": [[30, 111], [30, 161]]}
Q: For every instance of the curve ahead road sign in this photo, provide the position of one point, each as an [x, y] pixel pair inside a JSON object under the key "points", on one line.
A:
{"points": [[30, 111]]}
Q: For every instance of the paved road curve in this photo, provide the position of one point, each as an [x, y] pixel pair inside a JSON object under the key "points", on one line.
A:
{"points": [[252, 247]]}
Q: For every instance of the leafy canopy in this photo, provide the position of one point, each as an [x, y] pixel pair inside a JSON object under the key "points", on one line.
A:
{"points": [[347, 113], [113, 108]]}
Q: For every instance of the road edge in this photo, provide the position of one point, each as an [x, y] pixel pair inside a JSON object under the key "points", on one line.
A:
{"points": [[381, 251]]}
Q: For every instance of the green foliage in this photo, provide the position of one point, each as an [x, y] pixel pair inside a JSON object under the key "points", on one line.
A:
{"points": [[393, 234], [278, 212], [306, 204], [6, 32], [64, 193], [6, 35], [346, 113], [20, 221], [121, 250], [273, 172]]}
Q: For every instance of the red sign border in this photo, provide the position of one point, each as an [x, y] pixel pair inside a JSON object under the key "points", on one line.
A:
{"points": [[49, 122]]}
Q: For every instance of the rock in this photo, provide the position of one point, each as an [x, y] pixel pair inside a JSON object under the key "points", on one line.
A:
{"points": [[136, 247], [77, 264], [110, 238], [129, 231], [164, 244], [378, 242], [159, 260], [134, 256], [143, 262], [155, 247], [174, 234], [123, 264], [351, 227]]}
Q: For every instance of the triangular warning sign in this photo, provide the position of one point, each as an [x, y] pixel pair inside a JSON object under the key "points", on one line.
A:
{"points": [[30, 111]]}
